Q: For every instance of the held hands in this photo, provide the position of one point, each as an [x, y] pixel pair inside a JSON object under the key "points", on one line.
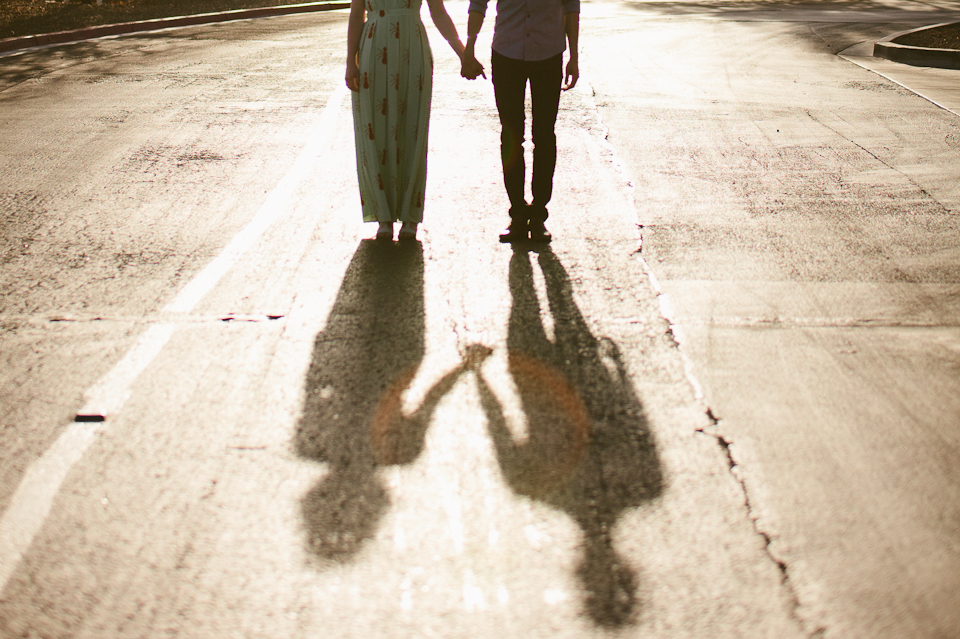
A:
{"points": [[470, 67]]}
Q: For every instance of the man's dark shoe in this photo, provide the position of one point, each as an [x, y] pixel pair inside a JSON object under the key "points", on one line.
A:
{"points": [[519, 226], [539, 232], [516, 232], [537, 228]]}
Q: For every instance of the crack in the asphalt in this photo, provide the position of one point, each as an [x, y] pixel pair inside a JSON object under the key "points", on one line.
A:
{"points": [[876, 157], [671, 333], [810, 322], [785, 581], [252, 318], [639, 249]]}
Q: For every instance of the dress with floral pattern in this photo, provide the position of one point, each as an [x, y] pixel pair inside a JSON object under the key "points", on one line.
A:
{"points": [[391, 111]]}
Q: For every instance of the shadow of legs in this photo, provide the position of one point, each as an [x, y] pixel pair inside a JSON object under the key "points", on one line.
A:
{"points": [[609, 583]]}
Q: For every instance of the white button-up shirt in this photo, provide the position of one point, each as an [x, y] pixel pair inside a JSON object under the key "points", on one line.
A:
{"points": [[529, 29]]}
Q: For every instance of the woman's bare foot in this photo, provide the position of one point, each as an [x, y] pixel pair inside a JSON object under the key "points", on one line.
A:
{"points": [[385, 232], [408, 231]]}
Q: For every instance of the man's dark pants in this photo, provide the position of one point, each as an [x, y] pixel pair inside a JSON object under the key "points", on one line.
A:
{"points": [[510, 79]]}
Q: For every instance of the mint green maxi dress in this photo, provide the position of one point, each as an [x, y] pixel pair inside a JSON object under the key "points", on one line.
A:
{"points": [[391, 111]]}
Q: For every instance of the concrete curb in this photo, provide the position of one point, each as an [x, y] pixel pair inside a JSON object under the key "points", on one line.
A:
{"points": [[62, 37], [889, 49]]}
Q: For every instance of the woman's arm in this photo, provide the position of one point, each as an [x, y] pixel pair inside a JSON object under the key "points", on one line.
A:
{"points": [[354, 32], [445, 25]]}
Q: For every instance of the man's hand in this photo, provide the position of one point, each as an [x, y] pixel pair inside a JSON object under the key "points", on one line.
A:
{"points": [[470, 67], [572, 75]]}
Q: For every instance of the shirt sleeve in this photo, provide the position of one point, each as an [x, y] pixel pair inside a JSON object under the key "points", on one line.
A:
{"points": [[480, 6], [569, 6]]}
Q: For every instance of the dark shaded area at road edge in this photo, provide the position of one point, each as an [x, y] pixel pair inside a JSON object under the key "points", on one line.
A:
{"points": [[943, 37], [35, 17], [60, 37], [937, 46]]}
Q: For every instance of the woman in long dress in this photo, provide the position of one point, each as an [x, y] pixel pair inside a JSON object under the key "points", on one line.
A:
{"points": [[390, 71]]}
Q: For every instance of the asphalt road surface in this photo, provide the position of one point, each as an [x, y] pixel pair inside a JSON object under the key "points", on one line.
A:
{"points": [[725, 402]]}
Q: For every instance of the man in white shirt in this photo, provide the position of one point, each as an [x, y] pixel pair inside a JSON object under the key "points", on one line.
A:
{"points": [[529, 39]]}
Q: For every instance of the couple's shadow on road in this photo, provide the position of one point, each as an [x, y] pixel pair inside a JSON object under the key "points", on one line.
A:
{"points": [[588, 450]]}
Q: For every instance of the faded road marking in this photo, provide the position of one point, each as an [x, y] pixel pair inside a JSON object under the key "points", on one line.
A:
{"points": [[31, 503]]}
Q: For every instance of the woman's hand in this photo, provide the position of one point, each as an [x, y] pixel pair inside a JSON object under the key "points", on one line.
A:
{"points": [[353, 75], [470, 67], [354, 34]]}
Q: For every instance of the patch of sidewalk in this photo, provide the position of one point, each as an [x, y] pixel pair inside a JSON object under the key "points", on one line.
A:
{"points": [[10, 45], [940, 86]]}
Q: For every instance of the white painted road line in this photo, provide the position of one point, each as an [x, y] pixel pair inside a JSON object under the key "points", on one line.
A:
{"points": [[108, 395], [31, 503], [277, 202]]}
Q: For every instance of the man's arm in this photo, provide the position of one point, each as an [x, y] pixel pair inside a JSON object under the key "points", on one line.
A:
{"points": [[470, 67], [571, 24]]}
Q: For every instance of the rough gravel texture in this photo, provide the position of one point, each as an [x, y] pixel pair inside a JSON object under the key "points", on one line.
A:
{"points": [[947, 37]]}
